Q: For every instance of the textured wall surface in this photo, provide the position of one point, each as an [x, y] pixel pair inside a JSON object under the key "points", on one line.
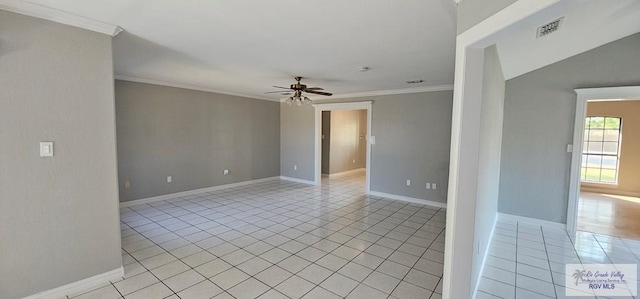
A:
{"points": [[59, 217], [413, 134], [490, 151], [538, 124], [192, 136]]}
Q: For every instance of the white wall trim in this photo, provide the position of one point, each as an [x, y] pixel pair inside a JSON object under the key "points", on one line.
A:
{"points": [[296, 180], [421, 201], [191, 87], [386, 92], [345, 173], [81, 285], [531, 221], [462, 195], [585, 95], [58, 16], [364, 105], [614, 192], [136, 202], [485, 255]]}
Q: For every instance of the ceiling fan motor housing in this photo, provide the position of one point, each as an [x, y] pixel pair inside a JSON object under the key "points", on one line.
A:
{"points": [[298, 86]]}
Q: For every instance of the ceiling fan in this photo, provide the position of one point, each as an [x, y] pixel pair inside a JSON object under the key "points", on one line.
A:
{"points": [[297, 89]]}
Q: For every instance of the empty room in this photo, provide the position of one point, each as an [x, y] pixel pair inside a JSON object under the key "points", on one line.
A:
{"points": [[319, 149]]}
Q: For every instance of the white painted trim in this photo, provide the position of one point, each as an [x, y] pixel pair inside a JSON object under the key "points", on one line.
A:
{"points": [[609, 93], [195, 191], [191, 87], [585, 95], [58, 16], [484, 256], [364, 105], [462, 196], [421, 201], [296, 180], [81, 285], [386, 92], [344, 173], [531, 221]]}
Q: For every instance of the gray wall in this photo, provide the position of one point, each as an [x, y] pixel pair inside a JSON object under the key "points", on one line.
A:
{"points": [[472, 12], [192, 136], [297, 143], [493, 87], [326, 141], [346, 150], [59, 220], [413, 133], [538, 125]]}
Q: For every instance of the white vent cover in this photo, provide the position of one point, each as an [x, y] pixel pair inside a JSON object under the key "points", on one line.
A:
{"points": [[549, 28]]}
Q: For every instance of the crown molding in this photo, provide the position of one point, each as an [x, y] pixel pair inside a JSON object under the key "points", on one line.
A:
{"points": [[340, 96], [192, 87], [385, 92], [58, 16]]}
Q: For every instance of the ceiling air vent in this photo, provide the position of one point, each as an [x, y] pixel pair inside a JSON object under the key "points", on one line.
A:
{"points": [[549, 28]]}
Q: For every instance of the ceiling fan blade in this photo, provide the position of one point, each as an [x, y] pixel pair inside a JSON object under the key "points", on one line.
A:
{"points": [[281, 87], [314, 88], [319, 92], [280, 91]]}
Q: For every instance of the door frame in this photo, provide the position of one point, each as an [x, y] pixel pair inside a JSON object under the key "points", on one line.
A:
{"points": [[585, 95], [362, 105]]}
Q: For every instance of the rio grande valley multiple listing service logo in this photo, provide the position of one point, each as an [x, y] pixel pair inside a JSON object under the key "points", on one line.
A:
{"points": [[601, 280]]}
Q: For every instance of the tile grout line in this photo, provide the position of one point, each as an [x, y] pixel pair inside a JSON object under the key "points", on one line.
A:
{"points": [[544, 242], [515, 289], [233, 266], [231, 210], [432, 291]]}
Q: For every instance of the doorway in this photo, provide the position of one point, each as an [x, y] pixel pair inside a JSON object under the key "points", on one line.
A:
{"points": [[351, 140], [604, 190], [344, 143]]}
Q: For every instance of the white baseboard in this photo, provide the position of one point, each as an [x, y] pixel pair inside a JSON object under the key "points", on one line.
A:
{"points": [[286, 178], [79, 286], [191, 192], [344, 173], [410, 199], [604, 191], [531, 221], [484, 257]]}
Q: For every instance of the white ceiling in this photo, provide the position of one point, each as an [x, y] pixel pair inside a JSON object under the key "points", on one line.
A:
{"points": [[245, 47], [587, 24]]}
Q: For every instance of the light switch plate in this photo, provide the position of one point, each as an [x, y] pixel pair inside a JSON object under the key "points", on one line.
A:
{"points": [[46, 149]]}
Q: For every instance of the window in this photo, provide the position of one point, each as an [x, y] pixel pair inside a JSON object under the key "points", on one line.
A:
{"points": [[601, 149]]}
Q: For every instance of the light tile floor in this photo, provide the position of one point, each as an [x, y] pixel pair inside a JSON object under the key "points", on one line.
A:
{"points": [[528, 261], [280, 239]]}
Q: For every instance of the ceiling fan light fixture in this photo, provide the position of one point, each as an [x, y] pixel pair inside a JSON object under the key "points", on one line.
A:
{"points": [[298, 89]]}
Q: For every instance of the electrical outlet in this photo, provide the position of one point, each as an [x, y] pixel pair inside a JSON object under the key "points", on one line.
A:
{"points": [[127, 185], [295, 167], [354, 161], [169, 179], [433, 186], [225, 172], [408, 182], [428, 186]]}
